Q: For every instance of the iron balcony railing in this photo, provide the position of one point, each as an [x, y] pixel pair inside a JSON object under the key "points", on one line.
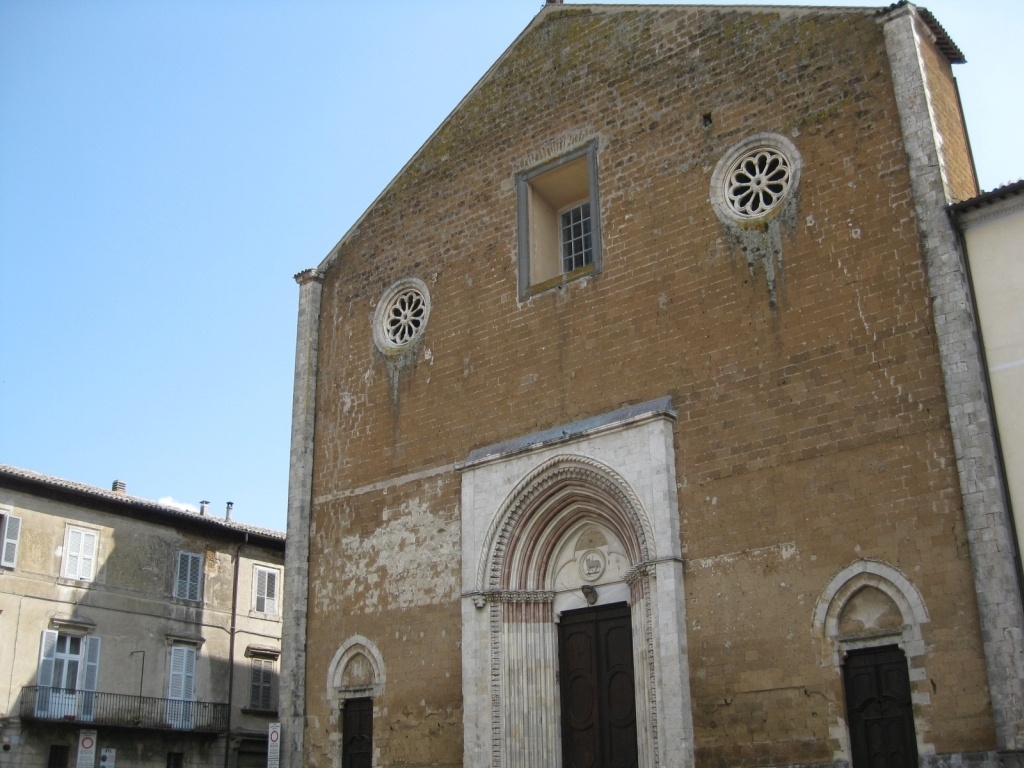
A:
{"points": [[122, 710]]}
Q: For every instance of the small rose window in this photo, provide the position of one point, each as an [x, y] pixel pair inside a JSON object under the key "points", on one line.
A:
{"points": [[401, 315], [755, 178], [757, 183]]}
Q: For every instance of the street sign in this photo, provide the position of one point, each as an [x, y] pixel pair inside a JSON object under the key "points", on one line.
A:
{"points": [[108, 757], [86, 749], [274, 746]]}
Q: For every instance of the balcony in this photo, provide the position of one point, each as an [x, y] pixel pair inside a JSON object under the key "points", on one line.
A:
{"points": [[119, 710]]}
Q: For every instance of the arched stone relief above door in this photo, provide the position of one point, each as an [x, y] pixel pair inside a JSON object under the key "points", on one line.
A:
{"points": [[356, 671]]}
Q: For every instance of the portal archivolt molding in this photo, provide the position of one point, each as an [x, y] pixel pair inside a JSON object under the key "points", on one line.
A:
{"points": [[356, 671], [568, 487]]}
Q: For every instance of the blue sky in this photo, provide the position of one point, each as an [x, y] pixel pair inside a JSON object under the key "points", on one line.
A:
{"points": [[167, 166]]}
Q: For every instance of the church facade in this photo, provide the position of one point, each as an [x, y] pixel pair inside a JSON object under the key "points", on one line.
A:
{"points": [[641, 421]]}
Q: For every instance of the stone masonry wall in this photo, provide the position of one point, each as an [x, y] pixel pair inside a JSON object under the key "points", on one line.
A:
{"points": [[812, 427]]}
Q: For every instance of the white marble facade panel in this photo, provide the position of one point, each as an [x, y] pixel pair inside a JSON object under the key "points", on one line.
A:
{"points": [[583, 514]]}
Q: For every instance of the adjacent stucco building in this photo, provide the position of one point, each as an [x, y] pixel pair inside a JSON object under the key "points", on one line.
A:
{"points": [[133, 626], [642, 420]]}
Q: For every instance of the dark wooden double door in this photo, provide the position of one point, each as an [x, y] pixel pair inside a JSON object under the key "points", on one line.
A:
{"points": [[879, 709], [595, 656]]}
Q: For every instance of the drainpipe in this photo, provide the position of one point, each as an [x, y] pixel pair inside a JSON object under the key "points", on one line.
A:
{"points": [[231, 647]]}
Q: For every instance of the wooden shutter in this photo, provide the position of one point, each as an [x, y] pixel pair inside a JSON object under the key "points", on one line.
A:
{"points": [[190, 574], [183, 671], [47, 650], [81, 555], [271, 592], [91, 669], [71, 556], [262, 684], [266, 591], [89, 540], [90, 675], [9, 537]]}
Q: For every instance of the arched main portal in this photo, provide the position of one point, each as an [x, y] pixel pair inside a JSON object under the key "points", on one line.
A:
{"points": [[582, 515], [571, 535], [578, 522]]}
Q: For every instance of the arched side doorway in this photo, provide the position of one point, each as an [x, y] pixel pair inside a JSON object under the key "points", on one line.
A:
{"points": [[355, 678], [572, 535], [868, 619]]}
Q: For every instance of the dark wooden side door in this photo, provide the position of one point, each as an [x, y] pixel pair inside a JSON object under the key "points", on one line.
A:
{"points": [[879, 709], [357, 733], [595, 658]]}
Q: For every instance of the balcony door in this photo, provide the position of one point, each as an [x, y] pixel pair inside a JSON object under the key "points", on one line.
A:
{"points": [[67, 676], [181, 687]]}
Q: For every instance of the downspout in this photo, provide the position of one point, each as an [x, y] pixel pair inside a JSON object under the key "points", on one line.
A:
{"points": [[231, 648]]}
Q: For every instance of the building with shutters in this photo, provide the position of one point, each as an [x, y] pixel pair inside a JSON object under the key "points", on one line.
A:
{"points": [[156, 628], [641, 419]]}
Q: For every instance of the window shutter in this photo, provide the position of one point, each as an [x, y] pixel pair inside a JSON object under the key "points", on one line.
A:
{"points": [[190, 574], [88, 555], [255, 683], [262, 684], [81, 555], [11, 534], [91, 671], [194, 575], [90, 677], [71, 558], [47, 649], [181, 581], [190, 674], [184, 574], [261, 590], [266, 590], [175, 686], [271, 593], [183, 671]]}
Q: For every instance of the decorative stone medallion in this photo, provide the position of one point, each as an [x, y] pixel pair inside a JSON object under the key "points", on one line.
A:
{"points": [[592, 564]]}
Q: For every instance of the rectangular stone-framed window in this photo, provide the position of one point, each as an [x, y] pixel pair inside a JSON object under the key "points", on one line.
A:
{"points": [[558, 221], [261, 688], [80, 548], [262, 679], [10, 535], [188, 582], [265, 590]]}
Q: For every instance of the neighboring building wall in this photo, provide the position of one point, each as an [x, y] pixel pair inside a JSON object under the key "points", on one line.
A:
{"points": [[993, 231], [793, 369], [129, 597]]}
